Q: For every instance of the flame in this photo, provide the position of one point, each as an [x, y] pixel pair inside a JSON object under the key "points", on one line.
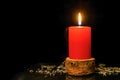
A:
{"points": [[79, 19]]}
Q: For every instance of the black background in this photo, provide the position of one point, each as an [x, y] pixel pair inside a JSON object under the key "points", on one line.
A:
{"points": [[35, 32]]}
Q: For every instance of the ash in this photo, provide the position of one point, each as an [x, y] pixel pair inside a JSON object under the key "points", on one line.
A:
{"points": [[53, 70]]}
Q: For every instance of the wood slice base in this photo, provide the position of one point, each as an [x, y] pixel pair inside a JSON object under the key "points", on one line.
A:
{"points": [[80, 67]]}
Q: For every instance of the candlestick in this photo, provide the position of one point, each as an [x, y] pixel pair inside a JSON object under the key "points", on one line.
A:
{"points": [[79, 41]]}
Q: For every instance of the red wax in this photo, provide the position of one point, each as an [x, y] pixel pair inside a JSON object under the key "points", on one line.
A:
{"points": [[79, 42]]}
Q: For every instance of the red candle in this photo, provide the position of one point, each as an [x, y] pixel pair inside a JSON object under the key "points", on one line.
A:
{"points": [[79, 41]]}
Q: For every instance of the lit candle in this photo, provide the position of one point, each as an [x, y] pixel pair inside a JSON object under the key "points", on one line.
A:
{"points": [[79, 41]]}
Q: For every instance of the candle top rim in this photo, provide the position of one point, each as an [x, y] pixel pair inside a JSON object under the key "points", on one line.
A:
{"points": [[79, 26]]}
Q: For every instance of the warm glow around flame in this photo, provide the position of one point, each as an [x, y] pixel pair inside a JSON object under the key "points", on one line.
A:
{"points": [[79, 19]]}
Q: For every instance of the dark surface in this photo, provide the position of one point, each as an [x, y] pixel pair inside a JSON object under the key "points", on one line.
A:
{"points": [[24, 76], [57, 72]]}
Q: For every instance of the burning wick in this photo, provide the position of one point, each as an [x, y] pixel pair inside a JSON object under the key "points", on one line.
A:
{"points": [[79, 19]]}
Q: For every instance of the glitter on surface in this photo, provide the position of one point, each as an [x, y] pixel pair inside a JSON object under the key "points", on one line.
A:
{"points": [[44, 71], [48, 69], [52, 70]]}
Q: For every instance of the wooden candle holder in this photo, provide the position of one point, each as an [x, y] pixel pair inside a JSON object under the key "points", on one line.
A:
{"points": [[80, 67]]}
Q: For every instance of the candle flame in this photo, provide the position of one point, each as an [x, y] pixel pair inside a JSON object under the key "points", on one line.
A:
{"points": [[79, 19]]}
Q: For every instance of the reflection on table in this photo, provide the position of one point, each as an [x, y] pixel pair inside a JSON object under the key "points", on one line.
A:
{"points": [[88, 77]]}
